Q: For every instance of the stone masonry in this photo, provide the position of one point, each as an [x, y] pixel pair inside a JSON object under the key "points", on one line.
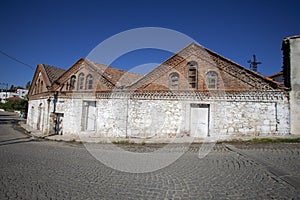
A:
{"points": [[125, 117]]}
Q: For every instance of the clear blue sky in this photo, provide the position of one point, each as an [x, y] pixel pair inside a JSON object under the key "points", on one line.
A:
{"points": [[60, 32]]}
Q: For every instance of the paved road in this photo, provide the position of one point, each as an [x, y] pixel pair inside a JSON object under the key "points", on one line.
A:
{"points": [[39, 169]]}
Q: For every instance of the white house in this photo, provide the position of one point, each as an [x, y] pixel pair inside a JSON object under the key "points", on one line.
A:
{"points": [[5, 95], [19, 93], [22, 93]]}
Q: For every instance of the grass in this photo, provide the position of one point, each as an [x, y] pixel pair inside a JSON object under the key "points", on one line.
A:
{"points": [[123, 142], [264, 140]]}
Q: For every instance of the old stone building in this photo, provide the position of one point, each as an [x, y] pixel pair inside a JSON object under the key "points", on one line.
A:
{"points": [[195, 93]]}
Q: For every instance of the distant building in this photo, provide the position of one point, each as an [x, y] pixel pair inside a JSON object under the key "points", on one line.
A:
{"points": [[21, 93], [5, 95], [278, 77], [14, 99]]}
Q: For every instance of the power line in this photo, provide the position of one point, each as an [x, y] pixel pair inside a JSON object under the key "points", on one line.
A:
{"points": [[17, 60], [6, 84]]}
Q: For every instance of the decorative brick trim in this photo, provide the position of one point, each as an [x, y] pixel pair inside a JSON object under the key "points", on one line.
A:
{"points": [[259, 96]]}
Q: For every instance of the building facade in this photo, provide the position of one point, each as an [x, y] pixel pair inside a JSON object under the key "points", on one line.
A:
{"points": [[195, 93], [21, 93], [278, 77], [291, 69]]}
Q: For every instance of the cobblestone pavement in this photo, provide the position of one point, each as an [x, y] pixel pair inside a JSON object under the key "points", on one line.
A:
{"points": [[39, 169]]}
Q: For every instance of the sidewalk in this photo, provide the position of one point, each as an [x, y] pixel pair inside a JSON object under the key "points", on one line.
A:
{"points": [[90, 139], [105, 140]]}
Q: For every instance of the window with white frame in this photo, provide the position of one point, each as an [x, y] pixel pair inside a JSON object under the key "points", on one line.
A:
{"points": [[80, 81], [174, 81], [89, 82], [212, 80]]}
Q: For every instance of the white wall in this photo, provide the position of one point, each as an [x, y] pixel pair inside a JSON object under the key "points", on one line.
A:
{"points": [[121, 117], [250, 118], [5, 95], [38, 108], [295, 85]]}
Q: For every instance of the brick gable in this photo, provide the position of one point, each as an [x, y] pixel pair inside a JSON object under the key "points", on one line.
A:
{"points": [[231, 76], [105, 77], [43, 79]]}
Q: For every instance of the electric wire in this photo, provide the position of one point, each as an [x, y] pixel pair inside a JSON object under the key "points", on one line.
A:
{"points": [[17, 60]]}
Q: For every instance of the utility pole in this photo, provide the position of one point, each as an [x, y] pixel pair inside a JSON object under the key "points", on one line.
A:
{"points": [[254, 64]]}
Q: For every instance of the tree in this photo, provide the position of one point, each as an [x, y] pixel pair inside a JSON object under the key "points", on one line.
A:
{"points": [[28, 85], [12, 88], [12, 105]]}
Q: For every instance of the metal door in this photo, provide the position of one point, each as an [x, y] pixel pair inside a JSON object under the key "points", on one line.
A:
{"points": [[199, 120]]}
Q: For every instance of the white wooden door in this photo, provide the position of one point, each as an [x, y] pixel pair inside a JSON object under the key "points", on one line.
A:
{"points": [[199, 120], [59, 123]]}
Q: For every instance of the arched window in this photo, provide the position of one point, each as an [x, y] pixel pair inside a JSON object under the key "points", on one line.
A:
{"points": [[80, 81], [174, 80], [38, 86], [41, 87], [35, 89], [72, 82], [212, 80], [192, 74], [89, 82]]}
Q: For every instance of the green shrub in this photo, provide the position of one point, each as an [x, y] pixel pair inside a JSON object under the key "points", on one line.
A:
{"points": [[12, 105]]}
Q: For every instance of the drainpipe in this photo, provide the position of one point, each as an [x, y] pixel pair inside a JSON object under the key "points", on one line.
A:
{"points": [[48, 119], [55, 101]]}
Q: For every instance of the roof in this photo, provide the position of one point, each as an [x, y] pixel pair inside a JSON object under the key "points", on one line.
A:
{"points": [[53, 73], [117, 77], [276, 74], [14, 99], [292, 37]]}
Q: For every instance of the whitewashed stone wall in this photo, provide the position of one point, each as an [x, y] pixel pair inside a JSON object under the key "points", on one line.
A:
{"points": [[295, 84], [249, 118], [72, 110], [121, 117], [111, 119], [38, 111], [155, 118]]}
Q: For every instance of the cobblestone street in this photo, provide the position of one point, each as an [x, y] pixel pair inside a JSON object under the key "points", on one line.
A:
{"points": [[41, 169]]}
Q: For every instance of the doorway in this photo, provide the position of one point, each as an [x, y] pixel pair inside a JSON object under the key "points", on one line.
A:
{"points": [[59, 123], [199, 120], [88, 116], [39, 123]]}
